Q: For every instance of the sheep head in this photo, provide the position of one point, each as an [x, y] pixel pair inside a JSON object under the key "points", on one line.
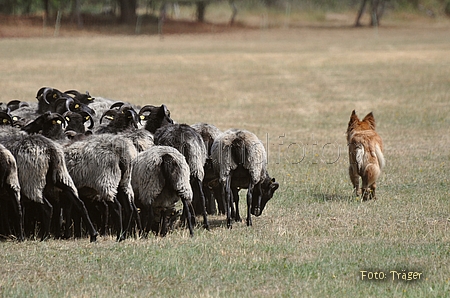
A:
{"points": [[49, 124], [47, 97], [262, 194], [156, 117], [67, 103], [6, 119], [75, 121], [85, 98], [16, 104], [120, 119]]}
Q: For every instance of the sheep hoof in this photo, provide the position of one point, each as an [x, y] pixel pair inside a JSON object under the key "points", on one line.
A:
{"points": [[249, 222], [94, 238]]}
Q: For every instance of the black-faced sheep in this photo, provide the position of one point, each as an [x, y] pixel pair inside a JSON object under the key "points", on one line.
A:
{"points": [[41, 166], [186, 140], [209, 133], [160, 178], [240, 160], [100, 167]]}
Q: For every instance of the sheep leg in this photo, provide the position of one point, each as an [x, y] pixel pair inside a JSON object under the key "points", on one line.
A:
{"points": [[18, 222], [67, 210], [201, 196], [129, 209], [135, 216], [188, 215], [163, 223], [4, 218], [144, 217], [235, 193], [249, 203], [81, 207], [218, 197], [210, 202], [77, 223], [116, 213], [56, 219], [226, 198], [47, 210]]}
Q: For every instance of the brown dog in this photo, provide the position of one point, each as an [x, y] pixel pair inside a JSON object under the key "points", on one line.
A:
{"points": [[365, 149]]}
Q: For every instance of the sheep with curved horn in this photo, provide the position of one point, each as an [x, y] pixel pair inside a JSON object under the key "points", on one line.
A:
{"points": [[41, 165]]}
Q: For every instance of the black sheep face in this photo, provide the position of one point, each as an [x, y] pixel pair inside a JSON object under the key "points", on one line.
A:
{"points": [[158, 117], [48, 124], [75, 121], [260, 198]]}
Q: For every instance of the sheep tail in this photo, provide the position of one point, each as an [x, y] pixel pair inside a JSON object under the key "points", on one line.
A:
{"points": [[238, 150], [172, 173]]}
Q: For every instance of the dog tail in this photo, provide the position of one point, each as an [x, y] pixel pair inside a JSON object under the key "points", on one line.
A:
{"points": [[359, 154], [373, 169], [380, 156]]}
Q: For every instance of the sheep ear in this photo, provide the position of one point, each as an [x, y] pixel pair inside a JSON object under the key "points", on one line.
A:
{"points": [[166, 110], [369, 119], [274, 186]]}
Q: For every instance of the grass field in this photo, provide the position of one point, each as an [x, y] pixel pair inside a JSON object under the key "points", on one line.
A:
{"points": [[295, 89]]}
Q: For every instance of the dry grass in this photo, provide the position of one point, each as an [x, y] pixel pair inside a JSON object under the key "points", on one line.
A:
{"points": [[296, 89]]}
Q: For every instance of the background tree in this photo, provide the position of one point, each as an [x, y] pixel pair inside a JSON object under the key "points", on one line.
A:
{"points": [[127, 11], [376, 11]]}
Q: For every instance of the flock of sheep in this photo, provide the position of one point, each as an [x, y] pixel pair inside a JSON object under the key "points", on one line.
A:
{"points": [[71, 164]]}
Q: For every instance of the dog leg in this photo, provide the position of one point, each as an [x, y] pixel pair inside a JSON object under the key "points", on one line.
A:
{"points": [[354, 177]]}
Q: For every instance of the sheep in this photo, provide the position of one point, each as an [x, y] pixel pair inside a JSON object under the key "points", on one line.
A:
{"points": [[161, 177], [240, 160], [190, 144], [10, 188], [209, 133], [41, 166], [100, 166], [122, 119], [186, 140]]}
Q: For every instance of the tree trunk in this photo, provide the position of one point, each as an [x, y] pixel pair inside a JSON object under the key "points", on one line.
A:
{"points": [[234, 10], [360, 13], [201, 8], [127, 11], [46, 7], [76, 13]]}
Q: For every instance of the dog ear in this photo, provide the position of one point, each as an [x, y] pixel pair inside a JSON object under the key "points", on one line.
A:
{"points": [[353, 118], [369, 119]]}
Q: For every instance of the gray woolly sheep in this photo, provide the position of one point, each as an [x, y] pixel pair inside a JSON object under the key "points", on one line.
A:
{"points": [[41, 165], [186, 140], [240, 160], [209, 133], [160, 178], [101, 165], [10, 188]]}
